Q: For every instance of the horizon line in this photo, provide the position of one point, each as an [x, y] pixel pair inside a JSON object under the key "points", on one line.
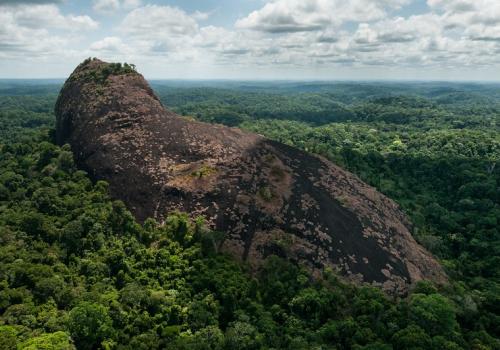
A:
{"points": [[312, 80]]}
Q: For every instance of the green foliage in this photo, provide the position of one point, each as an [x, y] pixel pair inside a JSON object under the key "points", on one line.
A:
{"points": [[8, 338], [89, 325], [411, 338], [52, 341], [242, 335], [423, 105], [433, 313], [75, 266], [265, 193], [203, 171], [99, 74]]}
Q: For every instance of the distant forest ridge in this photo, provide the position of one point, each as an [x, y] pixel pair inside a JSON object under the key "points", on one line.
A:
{"points": [[430, 89]]}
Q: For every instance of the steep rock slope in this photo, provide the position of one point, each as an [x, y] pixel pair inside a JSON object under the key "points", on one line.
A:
{"points": [[268, 197]]}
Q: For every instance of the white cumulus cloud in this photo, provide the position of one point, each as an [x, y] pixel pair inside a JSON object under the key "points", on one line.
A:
{"points": [[280, 36], [110, 6], [159, 21], [284, 16], [39, 29]]}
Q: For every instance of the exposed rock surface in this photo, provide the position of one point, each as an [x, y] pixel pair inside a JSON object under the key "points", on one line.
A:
{"points": [[268, 197]]}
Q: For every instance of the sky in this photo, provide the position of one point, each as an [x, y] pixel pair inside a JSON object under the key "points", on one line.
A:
{"points": [[256, 39]]}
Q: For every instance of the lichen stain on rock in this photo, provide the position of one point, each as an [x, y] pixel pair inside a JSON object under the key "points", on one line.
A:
{"points": [[269, 198]]}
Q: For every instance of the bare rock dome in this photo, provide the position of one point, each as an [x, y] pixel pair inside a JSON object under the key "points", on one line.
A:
{"points": [[267, 197]]}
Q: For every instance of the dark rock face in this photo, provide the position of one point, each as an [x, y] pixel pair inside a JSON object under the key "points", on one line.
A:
{"points": [[268, 197]]}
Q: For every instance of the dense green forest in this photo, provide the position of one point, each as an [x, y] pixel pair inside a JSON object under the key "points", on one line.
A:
{"points": [[77, 271]]}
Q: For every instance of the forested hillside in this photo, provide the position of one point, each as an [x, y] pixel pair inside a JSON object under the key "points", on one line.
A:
{"points": [[76, 270]]}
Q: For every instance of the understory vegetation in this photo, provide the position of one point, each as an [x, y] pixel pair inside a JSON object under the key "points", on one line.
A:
{"points": [[77, 271]]}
